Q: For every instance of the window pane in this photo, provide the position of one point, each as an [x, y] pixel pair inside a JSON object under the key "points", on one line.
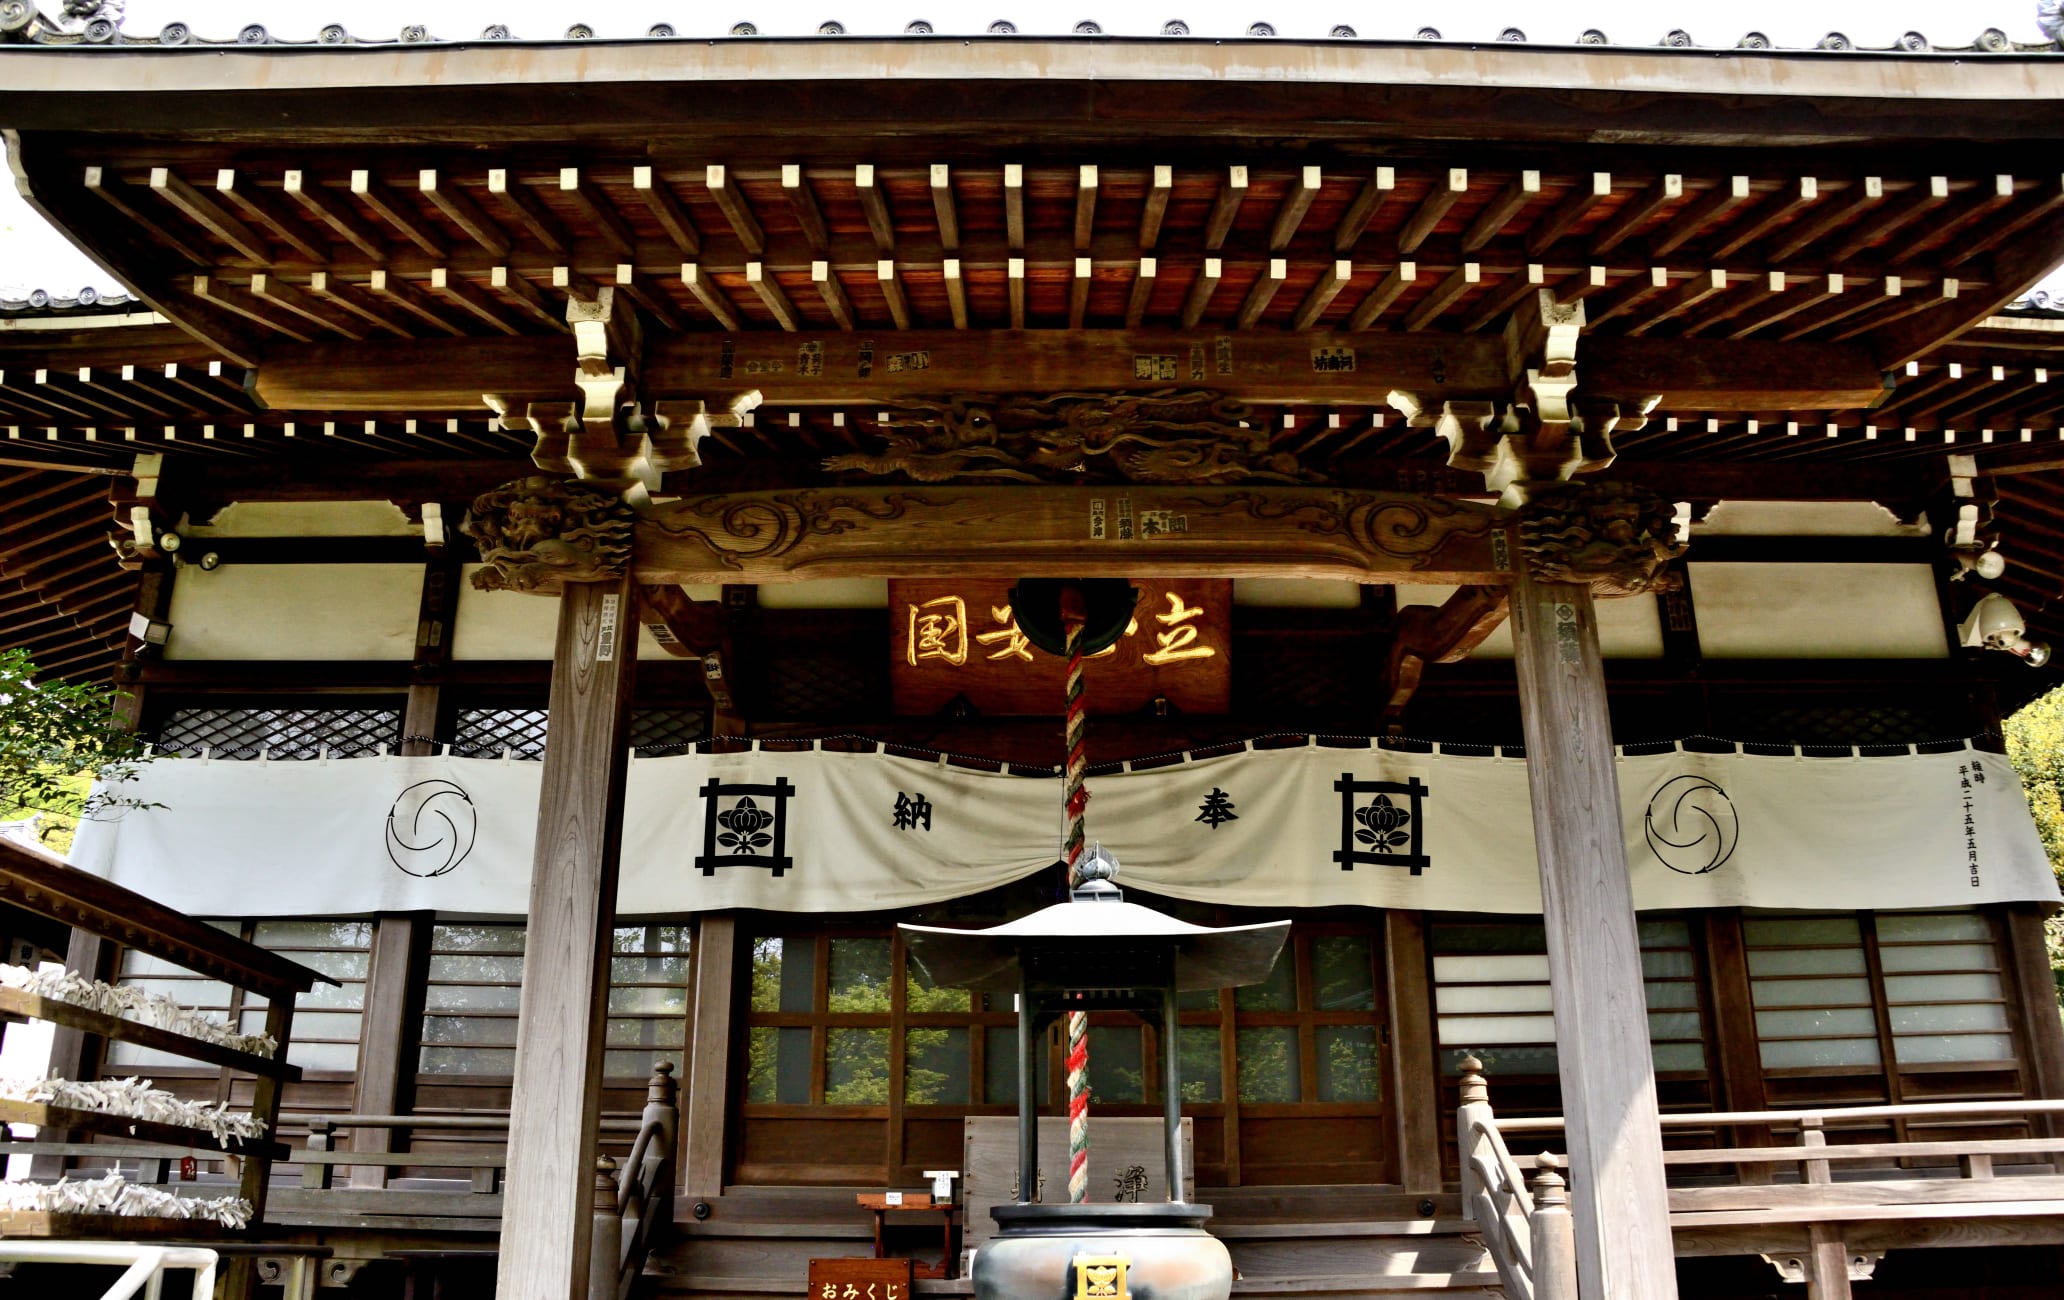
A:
{"points": [[935, 1067], [1516, 1060], [1117, 1063], [496, 1031], [1954, 1047], [920, 994], [1456, 999], [1667, 965], [633, 1065], [1820, 1051], [668, 968], [1671, 994], [471, 997], [1938, 956], [1956, 1018], [1811, 993], [777, 1066], [342, 1057], [1799, 1024], [1343, 976], [1348, 1063], [468, 1060], [1673, 1024], [1457, 1031], [1665, 934], [475, 988], [784, 974], [1779, 932], [650, 1000], [1941, 988], [467, 968], [859, 977], [856, 1061], [313, 934], [1529, 967], [1201, 1069], [1679, 1056], [478, 938], [1807, 961], [1900, 927], [1524, 937], [1268, 1064], [1197, 1000], [1276, 993], [1000, 1064], [642, 1032]]}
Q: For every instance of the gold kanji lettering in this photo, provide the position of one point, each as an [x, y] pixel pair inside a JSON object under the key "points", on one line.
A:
{"points": [[1012, 642], [938, 630], [1178, 643]]}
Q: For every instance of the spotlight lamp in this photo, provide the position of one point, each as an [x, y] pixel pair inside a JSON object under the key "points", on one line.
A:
{"points": [[1995, 624]]}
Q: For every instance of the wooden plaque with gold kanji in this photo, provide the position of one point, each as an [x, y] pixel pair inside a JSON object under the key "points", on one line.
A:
{"points": [[955, 638], [859, 1278]]}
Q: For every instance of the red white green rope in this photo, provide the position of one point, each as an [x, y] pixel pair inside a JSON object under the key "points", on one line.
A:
{"points": [[1075, 799]]}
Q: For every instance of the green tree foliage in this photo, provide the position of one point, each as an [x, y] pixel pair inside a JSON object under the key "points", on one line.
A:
{"points": [[54, 738], [2035, 743]]}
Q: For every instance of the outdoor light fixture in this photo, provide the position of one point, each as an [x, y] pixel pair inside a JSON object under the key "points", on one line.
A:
{"points": [[149, 630], [1995, 624]]}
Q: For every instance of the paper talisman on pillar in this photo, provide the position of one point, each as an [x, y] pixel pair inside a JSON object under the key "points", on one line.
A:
{"points": [[958, 639]]}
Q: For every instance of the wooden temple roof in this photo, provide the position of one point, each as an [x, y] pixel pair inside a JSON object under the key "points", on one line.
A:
{"points": [[1868, 219]]}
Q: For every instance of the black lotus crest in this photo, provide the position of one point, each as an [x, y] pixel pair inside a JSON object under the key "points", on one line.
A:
{"points": [[1691, 825], [1380, 822], [745, 825], [430, 828]]}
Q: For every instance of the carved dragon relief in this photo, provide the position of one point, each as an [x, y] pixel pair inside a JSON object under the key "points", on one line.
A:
{"points": [[537, 533], [1616, 538], [1174, 436]]}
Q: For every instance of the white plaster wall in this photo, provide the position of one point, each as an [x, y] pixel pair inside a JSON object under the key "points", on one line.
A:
{"points": [[514, 625], [1818, 611], [295, 611], [1296, 593], [1628, 628], [309, 519], [1803, 519]]}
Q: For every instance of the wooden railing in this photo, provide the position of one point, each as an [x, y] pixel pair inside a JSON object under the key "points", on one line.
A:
{"points": [[1820, 1213], [1528, 1234], [634, 1205]]}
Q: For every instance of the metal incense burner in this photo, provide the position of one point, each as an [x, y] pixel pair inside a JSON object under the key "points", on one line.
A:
{"points": [[1097, 952]]}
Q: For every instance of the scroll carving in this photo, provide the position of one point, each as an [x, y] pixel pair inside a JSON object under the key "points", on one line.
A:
{"points": [[1175, 436], [537, 533], [1410, 528], [1616, 538], [740, 530]]}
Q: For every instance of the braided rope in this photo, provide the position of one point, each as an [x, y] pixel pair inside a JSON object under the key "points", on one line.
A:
{"points": [[1075, 799]]}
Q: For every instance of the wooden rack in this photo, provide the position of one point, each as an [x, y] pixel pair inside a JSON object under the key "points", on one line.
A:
{"points": [[39, 883]]}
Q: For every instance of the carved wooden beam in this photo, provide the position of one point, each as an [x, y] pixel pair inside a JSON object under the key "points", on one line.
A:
{"points": [[766, 537], [1444, 634], [879, 368]]}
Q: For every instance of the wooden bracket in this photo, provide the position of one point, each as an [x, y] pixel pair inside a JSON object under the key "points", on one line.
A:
{"points": [[1443, 634], [699, 630]]}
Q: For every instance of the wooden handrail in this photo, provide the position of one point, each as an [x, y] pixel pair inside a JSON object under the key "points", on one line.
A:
{"points": [[486, 1120], [1796, 1118], [1530, 1239]]}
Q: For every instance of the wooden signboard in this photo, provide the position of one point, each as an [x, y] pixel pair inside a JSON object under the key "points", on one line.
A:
{"points": [[955, 638], [859, 1278], [1126, 1161]]}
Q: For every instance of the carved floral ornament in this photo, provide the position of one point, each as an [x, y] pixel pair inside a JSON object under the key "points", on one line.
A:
{"points": [[1616, 538], [537, 533]]}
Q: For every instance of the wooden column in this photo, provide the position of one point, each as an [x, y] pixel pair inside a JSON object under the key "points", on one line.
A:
{"points": [[709, 1065], [2037, 991], [1414, 1074], [557, 1097], [1594, 952], [386, 1054]]}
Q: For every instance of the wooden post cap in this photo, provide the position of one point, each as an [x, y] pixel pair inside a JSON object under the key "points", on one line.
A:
{"points": [[1474, 1090], [605, 1184], [1549, 1187], [660, 1087]]}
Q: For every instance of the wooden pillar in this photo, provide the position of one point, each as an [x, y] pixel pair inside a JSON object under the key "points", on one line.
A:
{"points": [[556, 1101], [1594, 952], [2037, 995], [1414, 1074], [709, 1065], [386, 1055]]}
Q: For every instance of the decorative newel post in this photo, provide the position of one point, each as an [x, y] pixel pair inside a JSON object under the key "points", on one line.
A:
{"points": [[1554, 1233], [605, 1257], [1475, 1108]]}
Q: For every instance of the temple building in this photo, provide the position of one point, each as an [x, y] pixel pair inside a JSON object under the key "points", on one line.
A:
{"points": [[564, 514]]}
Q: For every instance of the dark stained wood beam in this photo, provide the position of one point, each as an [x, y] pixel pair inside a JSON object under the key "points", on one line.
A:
{"points": [[2014, 271], [1264, 368], [1425, 634]]}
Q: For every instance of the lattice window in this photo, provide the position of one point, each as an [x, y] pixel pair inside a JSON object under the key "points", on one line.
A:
{"points": [[1491, 996], [813, 683], [488, 733], [648, 999], [471, 1000], [656, 733], [279, 733]]}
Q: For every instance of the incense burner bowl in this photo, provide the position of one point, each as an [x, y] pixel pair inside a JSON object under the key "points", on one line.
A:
{"points": [[1154, 1251]]}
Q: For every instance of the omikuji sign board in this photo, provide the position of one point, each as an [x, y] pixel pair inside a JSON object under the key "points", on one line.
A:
{"points": [[959, 639]]}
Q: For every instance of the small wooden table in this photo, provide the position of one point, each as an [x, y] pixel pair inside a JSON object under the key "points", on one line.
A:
{"points": [[913, 1203]]}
